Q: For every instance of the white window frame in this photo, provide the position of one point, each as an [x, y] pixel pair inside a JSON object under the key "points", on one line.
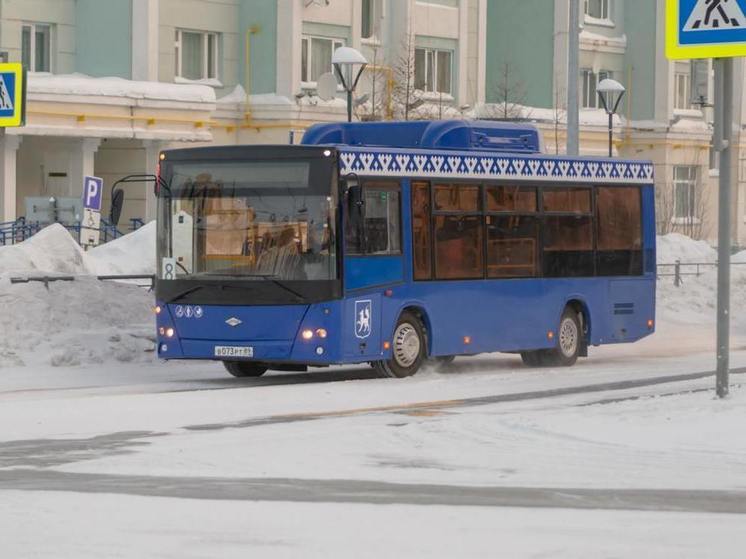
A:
{"points": [[206, 37], [690, 183], [376, 13], [32, 26], [589, 87], [605, 10], [682, 98], [336, 43], [434, 53]]}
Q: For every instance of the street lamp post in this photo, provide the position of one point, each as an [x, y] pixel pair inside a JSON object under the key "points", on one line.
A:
{"points": [[610, 92], [349, 65]]}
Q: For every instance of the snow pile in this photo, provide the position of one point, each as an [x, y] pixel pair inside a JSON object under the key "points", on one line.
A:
{"points": [[80, 321], [674, 246], [81, 84], [695, 301], [128, 255], [51, 251]]}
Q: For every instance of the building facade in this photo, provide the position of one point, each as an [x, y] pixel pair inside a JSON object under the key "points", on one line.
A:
{"points": [[665, 115], [113, 82]]}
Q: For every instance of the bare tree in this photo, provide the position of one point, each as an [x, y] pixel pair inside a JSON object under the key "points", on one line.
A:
{"points": [[372, 106], [510, 94], [665, 211], [404, 93], [559, 113], [683, 212]]}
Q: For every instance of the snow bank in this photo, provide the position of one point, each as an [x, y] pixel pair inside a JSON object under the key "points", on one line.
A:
{"points": [[76, 322], [81, 84], [130, 254], [674, 246], [51, 251], [695, 301]]}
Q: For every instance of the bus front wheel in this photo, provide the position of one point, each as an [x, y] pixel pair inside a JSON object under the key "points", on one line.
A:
{"points": [[244, 369], [408, 348]]}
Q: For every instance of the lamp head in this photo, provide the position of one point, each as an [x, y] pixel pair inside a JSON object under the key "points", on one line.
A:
{"points": [[345, 59], [610, 92]]}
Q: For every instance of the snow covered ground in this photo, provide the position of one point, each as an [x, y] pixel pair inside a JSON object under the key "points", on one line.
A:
{"points": [[108, 453]]}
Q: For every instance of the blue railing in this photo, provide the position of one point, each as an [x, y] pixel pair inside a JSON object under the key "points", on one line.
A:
{"points": [[12, 232]]}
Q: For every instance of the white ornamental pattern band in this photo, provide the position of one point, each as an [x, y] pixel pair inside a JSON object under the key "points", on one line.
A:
{"points": [[481, 166]]}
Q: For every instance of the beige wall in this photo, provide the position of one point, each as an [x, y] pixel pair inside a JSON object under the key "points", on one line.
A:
{"points": [[216, 16], [59, 13]]}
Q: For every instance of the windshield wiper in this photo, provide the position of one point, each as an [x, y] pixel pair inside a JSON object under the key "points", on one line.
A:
{"points": [[185, 293], [269, 277]]}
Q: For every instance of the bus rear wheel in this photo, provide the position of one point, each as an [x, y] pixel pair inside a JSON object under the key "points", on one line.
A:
{"points": [[569, 341], [244, 369], [567, 348], [409, 349]]}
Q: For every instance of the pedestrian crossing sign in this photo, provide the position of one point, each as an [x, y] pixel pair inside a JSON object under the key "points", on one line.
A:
{"points": [[705, 28], [12, 95]]}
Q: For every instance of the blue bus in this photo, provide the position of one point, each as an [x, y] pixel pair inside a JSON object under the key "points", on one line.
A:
{"points": [[399, 242]]}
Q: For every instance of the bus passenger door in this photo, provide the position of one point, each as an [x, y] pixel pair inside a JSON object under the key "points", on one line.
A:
{"points": [[373, 261]]}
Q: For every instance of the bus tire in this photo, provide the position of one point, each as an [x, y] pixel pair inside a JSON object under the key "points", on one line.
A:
{"points": [[569, 341], [409, 349], [244, 369], [532, 358]]}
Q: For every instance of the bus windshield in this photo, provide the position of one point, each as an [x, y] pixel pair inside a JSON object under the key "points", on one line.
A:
{"points": [[246, 220]]}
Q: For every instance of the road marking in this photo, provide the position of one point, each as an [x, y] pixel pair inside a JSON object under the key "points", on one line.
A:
{"points": [[440, 405], [376, 492]]}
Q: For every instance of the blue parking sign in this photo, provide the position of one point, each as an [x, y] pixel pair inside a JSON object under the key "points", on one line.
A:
{"points": [[93, 188]]}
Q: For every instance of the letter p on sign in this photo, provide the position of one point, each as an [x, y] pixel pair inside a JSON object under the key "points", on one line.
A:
{"points": [[92, 193]]}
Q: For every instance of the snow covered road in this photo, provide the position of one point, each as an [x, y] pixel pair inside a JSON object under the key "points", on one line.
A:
{"points": [[106, 453], [484, 455]]}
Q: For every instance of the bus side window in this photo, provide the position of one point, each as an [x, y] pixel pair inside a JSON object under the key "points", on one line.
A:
{"points": [[380, 233], [421, 248], [458, 230], [512, 232], [568, 232], [619, 228]]}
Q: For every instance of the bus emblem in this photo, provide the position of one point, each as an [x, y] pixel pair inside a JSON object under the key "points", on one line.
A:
{"points": [[362, 318], [233, 321]]}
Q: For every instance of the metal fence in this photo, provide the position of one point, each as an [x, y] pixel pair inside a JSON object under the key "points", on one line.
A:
{"points": [[12, 232], [679, 270]]}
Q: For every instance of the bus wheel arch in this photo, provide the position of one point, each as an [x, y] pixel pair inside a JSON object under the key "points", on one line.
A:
{"points": [[409, 345], [424, 319], [581, 308]]}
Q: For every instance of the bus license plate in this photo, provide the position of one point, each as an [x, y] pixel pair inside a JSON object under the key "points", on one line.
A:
{"points": [[233, 351]]}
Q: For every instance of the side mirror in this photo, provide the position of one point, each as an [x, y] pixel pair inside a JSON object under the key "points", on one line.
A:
{"points": [[117, 201], [355, 200]]}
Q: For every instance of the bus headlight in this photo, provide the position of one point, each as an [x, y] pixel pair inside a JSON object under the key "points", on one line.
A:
{"points": [[170, 332], [307, 334], [321, 333]]}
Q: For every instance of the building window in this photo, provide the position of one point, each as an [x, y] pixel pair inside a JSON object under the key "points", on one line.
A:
{"points": [[589, 85], [316, 57], [36, 47], [196, 55], [598, 9], [433, 70], [372, 12], [685, 191], [683, 88]]}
